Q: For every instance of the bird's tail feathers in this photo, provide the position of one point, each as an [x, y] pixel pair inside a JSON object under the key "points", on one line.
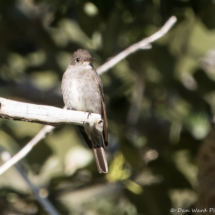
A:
{"points": [[94, 132], [101, 160]]}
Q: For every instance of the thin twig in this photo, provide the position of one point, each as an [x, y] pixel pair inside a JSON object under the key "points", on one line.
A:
{"points": [[27, 148], [140, 45], [143, 44]]}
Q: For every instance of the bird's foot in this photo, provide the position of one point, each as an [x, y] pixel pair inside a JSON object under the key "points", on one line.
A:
{"points": [[70, 108], [89, 113]]}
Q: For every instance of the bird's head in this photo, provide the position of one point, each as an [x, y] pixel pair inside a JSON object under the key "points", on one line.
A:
{"points": [[81, 57]]}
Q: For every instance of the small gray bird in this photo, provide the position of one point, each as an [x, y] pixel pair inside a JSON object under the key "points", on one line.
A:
{"points": [[83, 91]]}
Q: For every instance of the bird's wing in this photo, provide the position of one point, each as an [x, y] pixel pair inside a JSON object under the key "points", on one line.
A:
{"points": [[86, 138], [104, 116]]}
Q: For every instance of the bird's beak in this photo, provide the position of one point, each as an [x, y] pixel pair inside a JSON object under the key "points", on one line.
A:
{"points": [[90, 59]]}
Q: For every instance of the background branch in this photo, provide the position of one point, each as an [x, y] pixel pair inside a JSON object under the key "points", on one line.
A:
{"points": [[27, 148], [143, 44], [47, 205]]}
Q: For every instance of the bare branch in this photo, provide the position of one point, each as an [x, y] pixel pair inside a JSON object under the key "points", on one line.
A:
{"points": [[43, 114], [27, 148], [143, 44]]}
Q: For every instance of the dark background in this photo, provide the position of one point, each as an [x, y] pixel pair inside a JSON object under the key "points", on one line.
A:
{"points": [[160, 103]]}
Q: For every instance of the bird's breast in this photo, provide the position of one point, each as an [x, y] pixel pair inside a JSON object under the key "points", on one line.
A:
{"points": [[81, 92]]}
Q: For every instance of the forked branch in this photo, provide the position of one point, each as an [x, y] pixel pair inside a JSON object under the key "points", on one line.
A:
{"points": [[143, 44]]}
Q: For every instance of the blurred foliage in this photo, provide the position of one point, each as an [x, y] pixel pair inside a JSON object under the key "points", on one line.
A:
{"points": [[159, 103]]}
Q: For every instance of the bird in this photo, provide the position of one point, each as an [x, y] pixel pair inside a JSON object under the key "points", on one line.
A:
{"points": [[82, 90]]}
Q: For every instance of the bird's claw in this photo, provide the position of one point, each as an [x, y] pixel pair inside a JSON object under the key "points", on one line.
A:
{"points": [[89, 113]]}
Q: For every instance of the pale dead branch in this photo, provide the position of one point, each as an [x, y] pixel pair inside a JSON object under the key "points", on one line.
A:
{"points": [[43, 114]]}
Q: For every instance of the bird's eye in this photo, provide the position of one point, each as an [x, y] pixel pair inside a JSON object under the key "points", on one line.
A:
{"points": [[77, 59]]}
